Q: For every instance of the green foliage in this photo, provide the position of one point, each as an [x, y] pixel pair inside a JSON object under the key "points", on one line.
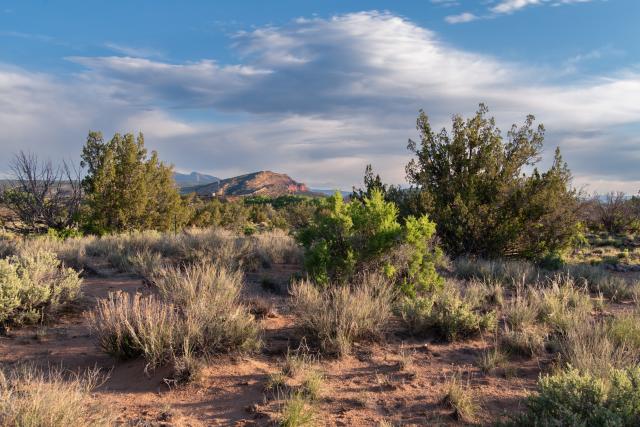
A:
{"points": [[573, 398], [446, 315], [284, 212], [127, 190], [346, 238], [472, 185], [34, 285], [422, 272], [624, 330]]}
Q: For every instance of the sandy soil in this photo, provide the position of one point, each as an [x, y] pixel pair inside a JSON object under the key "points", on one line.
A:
{"points": [[360, 390]]}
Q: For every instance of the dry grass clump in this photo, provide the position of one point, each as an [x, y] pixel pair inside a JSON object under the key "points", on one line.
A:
{"points": [[459, 397], [491, 359], [197, 314], [31, 397], [507, 272], [534, 315], [208, 296], [598, 280], [624, 329], [277, 247], [35, 285], [527, 341], [192, 245], [297, 411], [298, 385], [486, 294], [522, 310], [339, 316], [129, 326], [141, 252], [589, 347], [71, 251], [562, 304]]}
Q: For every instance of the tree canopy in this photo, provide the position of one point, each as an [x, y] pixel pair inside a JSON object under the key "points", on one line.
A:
{"points": [[473, 184], [125, 188]]}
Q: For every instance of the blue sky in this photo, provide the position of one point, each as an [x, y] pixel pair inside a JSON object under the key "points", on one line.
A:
{"points": [[318, 89]]}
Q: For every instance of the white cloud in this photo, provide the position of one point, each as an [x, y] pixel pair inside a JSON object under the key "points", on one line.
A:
{"points": [[509, 6], [463, 17], [142, 52], [502, 7], [319, 99]]}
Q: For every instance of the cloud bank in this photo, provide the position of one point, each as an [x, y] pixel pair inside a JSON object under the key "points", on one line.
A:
{"points": [[319, 99]]}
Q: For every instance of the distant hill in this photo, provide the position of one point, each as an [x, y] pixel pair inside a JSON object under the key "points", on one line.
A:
{"points": [[263, 183], [193, 179], [329, 192]]}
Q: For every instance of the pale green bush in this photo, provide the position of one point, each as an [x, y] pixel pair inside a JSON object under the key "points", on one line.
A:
{"points": [[35, 285], [446, 314], [575, 398]]}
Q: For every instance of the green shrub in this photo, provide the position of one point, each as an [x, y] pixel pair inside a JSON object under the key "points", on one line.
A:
{"points": [[624, 329], [348, 238], [551, 261], [446, 315], [573, 398], [297, 411], [342, 315], [35, 285], [526, 341]]}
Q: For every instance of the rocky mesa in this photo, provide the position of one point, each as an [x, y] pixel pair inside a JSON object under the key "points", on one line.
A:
{"points": [[262, 183]]}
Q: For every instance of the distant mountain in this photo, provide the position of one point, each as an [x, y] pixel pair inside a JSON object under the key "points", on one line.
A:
{"points": [[263, 183], [328, 192], [193, 179]]}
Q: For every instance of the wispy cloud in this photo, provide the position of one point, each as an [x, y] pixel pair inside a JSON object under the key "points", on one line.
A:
{"points": [[506, 7], [321, 98], [140, 52]]}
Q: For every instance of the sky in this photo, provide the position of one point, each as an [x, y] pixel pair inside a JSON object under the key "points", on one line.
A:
{"points": [[318, 89]]}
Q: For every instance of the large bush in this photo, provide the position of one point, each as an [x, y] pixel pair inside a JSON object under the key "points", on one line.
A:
{"points": [[34, 285], [472, 184], [347, 238], [127, 190], [572, 398]]}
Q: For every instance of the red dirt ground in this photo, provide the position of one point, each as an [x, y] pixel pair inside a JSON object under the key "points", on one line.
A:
{"points": [[360, 390]]}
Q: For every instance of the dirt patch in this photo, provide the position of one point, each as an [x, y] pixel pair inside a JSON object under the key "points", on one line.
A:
{"points": [[359, 390]]}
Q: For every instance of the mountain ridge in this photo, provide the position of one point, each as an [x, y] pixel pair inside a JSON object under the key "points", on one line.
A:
{"points": [[260, 183], [193, 179]]}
